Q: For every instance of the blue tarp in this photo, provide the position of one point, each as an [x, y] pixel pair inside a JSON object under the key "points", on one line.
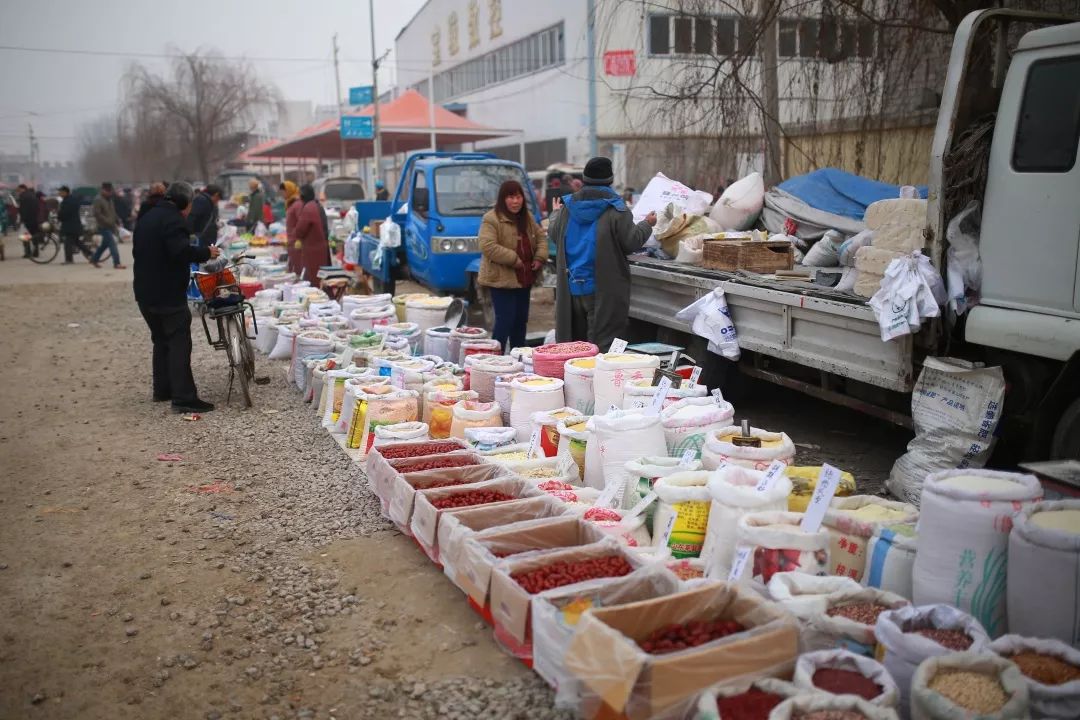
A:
{"points": [[841, 193]]}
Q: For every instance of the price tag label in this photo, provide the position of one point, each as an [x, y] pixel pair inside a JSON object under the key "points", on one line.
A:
{"points": [[717, 396], [645, 502], [611, 495], [695, 374], [667, 529], [828, 481], [688, 457], [658, 399], [673, 360], [612, 408], [618, 345], [774, 471], [534, 443], [738, 562]]}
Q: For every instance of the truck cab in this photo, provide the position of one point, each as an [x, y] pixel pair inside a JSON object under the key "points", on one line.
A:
{"points": [[438, 205]]}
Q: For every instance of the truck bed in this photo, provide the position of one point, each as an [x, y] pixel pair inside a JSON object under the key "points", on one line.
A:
{"points": [[795, 321]]}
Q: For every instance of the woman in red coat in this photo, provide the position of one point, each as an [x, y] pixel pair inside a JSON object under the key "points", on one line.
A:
{"points": [[292, 214], [312, 234]]}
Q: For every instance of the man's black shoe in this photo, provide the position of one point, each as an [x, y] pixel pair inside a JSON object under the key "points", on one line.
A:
{"points": [[192, 406]]}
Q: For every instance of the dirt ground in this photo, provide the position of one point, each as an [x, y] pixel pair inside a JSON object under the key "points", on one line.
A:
{"points": [[251, 579]]}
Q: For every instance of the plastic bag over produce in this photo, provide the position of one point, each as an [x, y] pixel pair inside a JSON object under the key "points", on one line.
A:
{"points": [[710, 318]]}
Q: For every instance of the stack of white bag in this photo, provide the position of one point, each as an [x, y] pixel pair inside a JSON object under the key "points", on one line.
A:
{"points": [[578, 384], [736, 491], [964, 528], [617, 438], [688, 422], [911, 291], [1044, 572], [352, 302], [612, 374], [310, 343], [367, 317], [897, 227], [639, 394], [531, 394]]}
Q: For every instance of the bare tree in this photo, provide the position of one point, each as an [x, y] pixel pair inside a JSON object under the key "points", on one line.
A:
{"points": [[204, 106]]}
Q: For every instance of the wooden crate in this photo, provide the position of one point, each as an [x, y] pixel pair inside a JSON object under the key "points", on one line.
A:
{"points": [[760, 256]]}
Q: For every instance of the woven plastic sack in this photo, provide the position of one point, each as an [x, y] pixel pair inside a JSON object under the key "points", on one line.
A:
{"points": [[1047, 558], [778, 543], [811, 662], [550, 360], [719, 448], [413, 430], [683, 504], [483, 372], [614, 371], [807, 702], [578, 384], [283, 344], [473, 414], [640, 393], [531, 394], [439, 410], [927, 704], [1046, 700], [734, 492], [689, 421], [617, 438]]}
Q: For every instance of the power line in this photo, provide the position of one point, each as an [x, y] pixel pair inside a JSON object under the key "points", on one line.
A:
{"points": [[166, 56]]}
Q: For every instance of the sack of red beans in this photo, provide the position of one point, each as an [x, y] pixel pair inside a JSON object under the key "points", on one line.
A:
{"points": [[742, 699], [1051, 670], [909, 635], [841, 672]]}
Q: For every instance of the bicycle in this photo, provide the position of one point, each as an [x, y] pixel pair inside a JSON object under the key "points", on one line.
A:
{"points": [[223, 303], [46, 243]]}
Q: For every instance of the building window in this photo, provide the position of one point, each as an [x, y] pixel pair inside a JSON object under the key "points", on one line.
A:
{"points": [[659, 31], [684, 29], [686, 35], [703, 35], [531, 54]]}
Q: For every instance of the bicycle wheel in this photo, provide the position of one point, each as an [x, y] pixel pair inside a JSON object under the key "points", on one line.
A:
{"points": [[236, 345], [46, 249]]}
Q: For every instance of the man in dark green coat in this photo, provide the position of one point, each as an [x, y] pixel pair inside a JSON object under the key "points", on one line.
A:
{"points": [[593, 233]]}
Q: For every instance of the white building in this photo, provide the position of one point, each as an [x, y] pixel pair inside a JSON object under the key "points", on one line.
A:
{"points": [[526, 66]]}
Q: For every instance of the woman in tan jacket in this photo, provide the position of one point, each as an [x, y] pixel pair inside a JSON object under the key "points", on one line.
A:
{"points": [[514, 249]]}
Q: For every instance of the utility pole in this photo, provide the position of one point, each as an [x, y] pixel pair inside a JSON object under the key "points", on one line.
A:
{"points": [[376, 143], [590, 38], [771, 93], [340, 107], [33, 151]]}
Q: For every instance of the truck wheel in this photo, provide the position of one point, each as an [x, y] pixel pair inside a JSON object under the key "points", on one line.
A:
{"points": [[1066, 442]]}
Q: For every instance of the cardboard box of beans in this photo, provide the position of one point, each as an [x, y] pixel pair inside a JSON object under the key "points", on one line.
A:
{"points": [[643, 658], [514, 581], [458, 526], [429, 505], [403, 487], [477, 555], [378, 468]]}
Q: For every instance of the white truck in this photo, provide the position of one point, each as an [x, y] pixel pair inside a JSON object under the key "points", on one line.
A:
{"points": [[828, 344]]}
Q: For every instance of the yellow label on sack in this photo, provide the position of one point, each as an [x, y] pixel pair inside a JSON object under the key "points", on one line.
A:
{"points": [[573, 610], [688, 534], [358, 425]]}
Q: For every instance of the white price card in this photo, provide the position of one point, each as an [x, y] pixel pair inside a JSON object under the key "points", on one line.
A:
{"points": [[828, 481], [618, 345], [688, 457], [695, 374], [611, 495], [611, 408], [772, 474], [667, 529], [661, 394], [645, 502], [673, 360], [717, 396], [738, 563], [534, 443]]}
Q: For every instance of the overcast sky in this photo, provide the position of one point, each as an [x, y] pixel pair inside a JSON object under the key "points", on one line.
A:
{"points": [[66, 90]]}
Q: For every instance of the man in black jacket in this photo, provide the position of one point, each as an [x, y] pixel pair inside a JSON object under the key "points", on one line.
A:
{"points": [[203, 220], [71, 227], [163, 252]]}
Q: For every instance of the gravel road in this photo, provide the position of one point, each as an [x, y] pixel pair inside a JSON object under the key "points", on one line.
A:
{"points": [[253, 578]]}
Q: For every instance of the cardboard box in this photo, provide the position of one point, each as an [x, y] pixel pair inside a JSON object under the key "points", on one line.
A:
{"points": [[605, 658], [509, 601], [403, 487], [425, 517], [556, 614], [478, 554], [378, 469], [456, 527]]}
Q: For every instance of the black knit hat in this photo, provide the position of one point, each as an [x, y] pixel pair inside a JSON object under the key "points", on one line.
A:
{"points": [[598, 172]]}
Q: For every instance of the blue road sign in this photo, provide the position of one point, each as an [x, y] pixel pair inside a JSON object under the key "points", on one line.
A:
{"points": [[360, 95], [357, 127]]}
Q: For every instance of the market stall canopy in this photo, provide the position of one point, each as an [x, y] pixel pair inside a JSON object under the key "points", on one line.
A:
{"points": [[405, 124]]}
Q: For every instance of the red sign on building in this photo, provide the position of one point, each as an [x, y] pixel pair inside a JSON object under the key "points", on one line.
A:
{"points": [[620, 63]]}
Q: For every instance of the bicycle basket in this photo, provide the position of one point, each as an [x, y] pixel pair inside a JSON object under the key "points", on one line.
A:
{"points": [[210, 282]]}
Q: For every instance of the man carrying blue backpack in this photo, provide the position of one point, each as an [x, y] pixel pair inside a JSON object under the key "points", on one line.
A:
{"points": [[593, 233]]}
